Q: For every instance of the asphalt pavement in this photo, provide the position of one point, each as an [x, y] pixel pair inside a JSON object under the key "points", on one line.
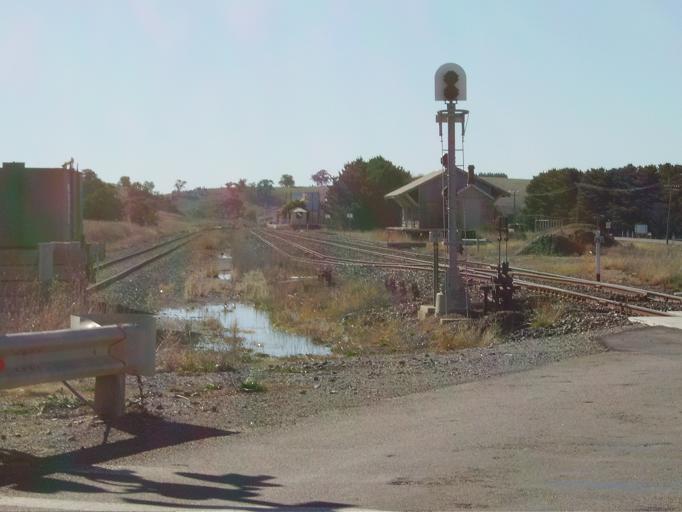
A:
{"points": [[596, 432]]}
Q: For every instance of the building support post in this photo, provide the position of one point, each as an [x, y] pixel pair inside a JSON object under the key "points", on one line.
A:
{"points": [[455, 298]]}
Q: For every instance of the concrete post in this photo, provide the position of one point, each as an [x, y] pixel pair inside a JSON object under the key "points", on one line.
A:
{"points": [[440, 304], [455, 299], [110, 395], [45, 262]]}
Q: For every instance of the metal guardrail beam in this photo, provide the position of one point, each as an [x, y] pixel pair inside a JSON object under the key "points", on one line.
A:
{"points": [[88, 349]]}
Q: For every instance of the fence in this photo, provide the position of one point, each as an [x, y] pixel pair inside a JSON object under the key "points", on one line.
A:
{"points": [[106, 347]]}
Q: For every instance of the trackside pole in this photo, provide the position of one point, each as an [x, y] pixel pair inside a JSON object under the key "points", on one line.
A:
{"points": [[455, 300], [597, 254]]}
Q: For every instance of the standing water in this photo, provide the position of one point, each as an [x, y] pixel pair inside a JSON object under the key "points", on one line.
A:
{"points": [[255, 330]]}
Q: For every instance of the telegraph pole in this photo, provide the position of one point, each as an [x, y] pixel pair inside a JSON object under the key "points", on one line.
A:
{"points": [[667, 224]]}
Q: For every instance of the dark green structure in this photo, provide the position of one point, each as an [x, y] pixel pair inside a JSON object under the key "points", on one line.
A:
{"points": [[39, 205]]}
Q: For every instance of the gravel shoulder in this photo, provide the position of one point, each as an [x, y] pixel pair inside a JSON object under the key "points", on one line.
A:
{"points": [[294, 389], [39, 422]]}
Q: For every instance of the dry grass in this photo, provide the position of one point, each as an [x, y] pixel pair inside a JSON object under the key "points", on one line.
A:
{"points": [[201, 280], [547, 314], [382, 235], [635, 263], [649, 263], [254, 287], [183, 359], [459, 335], [198, 285], [356, 316], [173, 355], [31, 307], [120, 235]]}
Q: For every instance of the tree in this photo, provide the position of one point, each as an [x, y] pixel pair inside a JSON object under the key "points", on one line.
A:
{"points": [[360, 189], [624, 196], [287, 181], [264, 190], [140, 204], [100, 199], [553, 193], [233, 204], [321, 178], [179, 185]]}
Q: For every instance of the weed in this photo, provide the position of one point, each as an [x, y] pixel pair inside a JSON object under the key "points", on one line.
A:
{"points": [[16, 409], [58, 401], [252, 385]]}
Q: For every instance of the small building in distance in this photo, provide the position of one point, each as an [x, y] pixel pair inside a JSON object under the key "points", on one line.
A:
{"points": [[421, 201], [313, 202], [299, 218]]}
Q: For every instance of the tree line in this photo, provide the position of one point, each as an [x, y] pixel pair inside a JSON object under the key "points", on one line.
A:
{"points": [[354, 197], [127, 200], [624, 196]]}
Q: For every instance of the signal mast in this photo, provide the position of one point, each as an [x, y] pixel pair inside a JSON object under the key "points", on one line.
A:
{"points": [[451, 87]]}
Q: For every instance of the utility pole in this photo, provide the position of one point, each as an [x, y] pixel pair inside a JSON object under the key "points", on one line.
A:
{"points": [[597, 253], [667, 224]]}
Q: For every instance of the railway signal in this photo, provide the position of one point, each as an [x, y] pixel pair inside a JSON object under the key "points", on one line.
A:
{"points": [[450, 86]]}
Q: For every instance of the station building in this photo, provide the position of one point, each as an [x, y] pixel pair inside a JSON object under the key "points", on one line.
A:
{"points": [[422, 205]]}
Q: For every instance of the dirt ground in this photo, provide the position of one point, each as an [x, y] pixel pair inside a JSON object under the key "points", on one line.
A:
{"points": [[294, 388]]}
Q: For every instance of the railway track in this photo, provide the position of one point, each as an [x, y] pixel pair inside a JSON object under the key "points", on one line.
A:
{"points": [[115, 261], [634, 292], [137, 260], [316, 249]]}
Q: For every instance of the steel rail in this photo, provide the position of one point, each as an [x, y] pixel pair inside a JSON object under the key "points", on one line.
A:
{"points": [[114, 261], [321, 257], [104, 283], [479, 275], [402, 258], [547, 276]]}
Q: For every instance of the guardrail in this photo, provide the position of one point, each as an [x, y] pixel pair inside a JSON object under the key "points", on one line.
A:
{"points": [[107, 347]]}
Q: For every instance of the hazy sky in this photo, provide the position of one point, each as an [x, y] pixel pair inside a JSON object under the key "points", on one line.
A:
{"points": [[212, 91]]}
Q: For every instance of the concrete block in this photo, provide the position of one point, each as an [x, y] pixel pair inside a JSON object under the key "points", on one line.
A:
{"points": [[45, 262], [440, 304], [426, 311]]}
